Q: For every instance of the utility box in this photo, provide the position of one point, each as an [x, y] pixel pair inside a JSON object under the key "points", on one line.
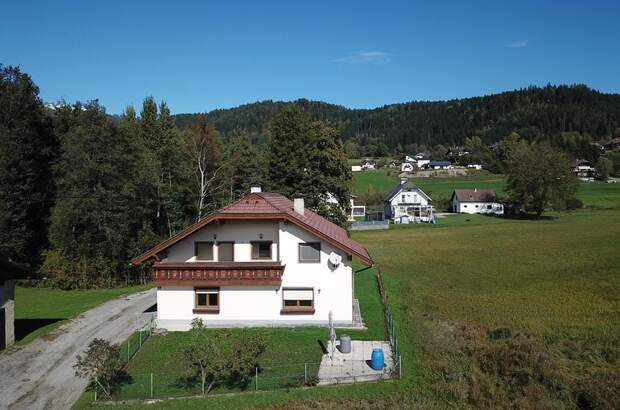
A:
{"points": [[345, 344]]}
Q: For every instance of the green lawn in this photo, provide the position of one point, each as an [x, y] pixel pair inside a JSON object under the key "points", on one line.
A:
{"points": [[40, 310]]}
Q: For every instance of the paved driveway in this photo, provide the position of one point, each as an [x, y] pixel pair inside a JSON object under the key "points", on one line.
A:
{"points": [[41, 375]]}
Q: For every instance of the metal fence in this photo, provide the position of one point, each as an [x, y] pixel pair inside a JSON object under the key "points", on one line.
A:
{"points": [[390, 325]]}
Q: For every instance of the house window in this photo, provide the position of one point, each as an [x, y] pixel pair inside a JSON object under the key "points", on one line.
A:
{"points": [[310, 252], [476, 206], [203, 251], [298, 301], [489, 207], [403, 198], [207, 300], [261, 250], [464, 206], [226, 251]]}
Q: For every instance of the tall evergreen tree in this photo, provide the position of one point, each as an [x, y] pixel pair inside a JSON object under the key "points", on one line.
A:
{"points": [[306, 159], [246, 166], [28, 148], [93, 218]]}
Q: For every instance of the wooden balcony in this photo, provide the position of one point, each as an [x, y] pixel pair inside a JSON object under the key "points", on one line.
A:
{"points": [[217, 273]]}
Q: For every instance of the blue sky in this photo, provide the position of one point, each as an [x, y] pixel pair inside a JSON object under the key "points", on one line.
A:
{"points": [[199, 56]]}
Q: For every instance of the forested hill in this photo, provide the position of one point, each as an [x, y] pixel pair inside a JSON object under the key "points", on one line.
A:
{"points": [[531, 112]]}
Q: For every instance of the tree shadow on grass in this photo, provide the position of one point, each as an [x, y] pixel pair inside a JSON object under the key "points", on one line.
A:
{"points": [[23, 327]]}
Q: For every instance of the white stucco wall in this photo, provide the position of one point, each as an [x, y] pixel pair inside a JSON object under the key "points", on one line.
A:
{"points": [[261, 305], [477, 207]]}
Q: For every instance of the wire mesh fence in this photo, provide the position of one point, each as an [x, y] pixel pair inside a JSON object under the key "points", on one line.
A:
{"points": [[391, 326]]}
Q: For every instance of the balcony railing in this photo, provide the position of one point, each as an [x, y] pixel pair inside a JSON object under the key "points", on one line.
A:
{"points": [[217, 273]]}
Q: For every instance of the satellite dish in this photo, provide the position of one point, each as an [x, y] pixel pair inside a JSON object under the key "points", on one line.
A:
{"points": [[335, 259]]}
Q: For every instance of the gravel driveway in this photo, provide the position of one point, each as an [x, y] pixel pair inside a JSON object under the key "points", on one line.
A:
{"points": [[41, 375]]}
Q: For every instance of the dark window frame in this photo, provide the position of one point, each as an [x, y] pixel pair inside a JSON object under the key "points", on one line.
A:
{"points": [[196, 250], [300, 260], [297, 308], [208, 307], [265, 258], [233, 251]]}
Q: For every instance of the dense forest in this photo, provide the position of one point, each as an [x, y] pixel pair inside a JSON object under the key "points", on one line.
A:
{"points": [[83, 192], [533, 113]]}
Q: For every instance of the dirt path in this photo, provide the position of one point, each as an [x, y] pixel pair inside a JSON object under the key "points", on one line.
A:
{"points": [[41, 374]]}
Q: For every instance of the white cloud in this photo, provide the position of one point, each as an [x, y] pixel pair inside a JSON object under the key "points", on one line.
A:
{"points": [[364, 57], [517, 44]]}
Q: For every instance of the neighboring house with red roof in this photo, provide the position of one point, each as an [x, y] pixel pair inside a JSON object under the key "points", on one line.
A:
{"points": [[582, 168], [476, 201], [262, 260]]}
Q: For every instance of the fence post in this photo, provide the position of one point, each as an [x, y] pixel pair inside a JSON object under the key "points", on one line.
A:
{"points": [[140, 338], [400, 366], [256, 379], [151, 385], [96, 386], [306, 373], [128, 348]]}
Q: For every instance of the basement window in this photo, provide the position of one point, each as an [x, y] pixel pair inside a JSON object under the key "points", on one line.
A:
{"points": [[207, 300], [297, 301]]}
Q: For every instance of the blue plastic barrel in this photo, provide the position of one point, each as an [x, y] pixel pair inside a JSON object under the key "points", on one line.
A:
{"points": [[377, 361]]}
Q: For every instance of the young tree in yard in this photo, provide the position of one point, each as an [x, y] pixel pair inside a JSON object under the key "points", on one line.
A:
{"points": [[539, 177], [101, 364], [204, 149], [217, 356], [28, 148], [306, 159], [604, 167]]}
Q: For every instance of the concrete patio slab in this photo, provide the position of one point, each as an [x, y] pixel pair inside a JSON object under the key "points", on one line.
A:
{"points": [[355, 367]]}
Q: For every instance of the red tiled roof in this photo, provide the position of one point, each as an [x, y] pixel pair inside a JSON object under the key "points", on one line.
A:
{"points": [[268, 205]]}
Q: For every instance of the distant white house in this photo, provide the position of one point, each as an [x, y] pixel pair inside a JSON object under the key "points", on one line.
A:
{"points": [[407, 203], [474, 166], [356, 168], [476, 201], [422, 162], [582, 168], [369, 164], [409, 158], [407, 167], [264, 260]]}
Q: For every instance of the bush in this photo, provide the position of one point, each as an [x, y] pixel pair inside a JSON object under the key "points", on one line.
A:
{"points": [[574, 203]]}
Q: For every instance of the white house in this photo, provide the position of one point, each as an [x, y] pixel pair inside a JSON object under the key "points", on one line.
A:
{"points": [[476, 201], [263, 260], [409, 158], [356, 168], [406, 167], [477, 167], [368, 164], [407, 203], [356, 210]]}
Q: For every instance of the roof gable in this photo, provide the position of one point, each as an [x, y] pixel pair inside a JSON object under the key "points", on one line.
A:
{"points": [[407, 186], [269, 206]]}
